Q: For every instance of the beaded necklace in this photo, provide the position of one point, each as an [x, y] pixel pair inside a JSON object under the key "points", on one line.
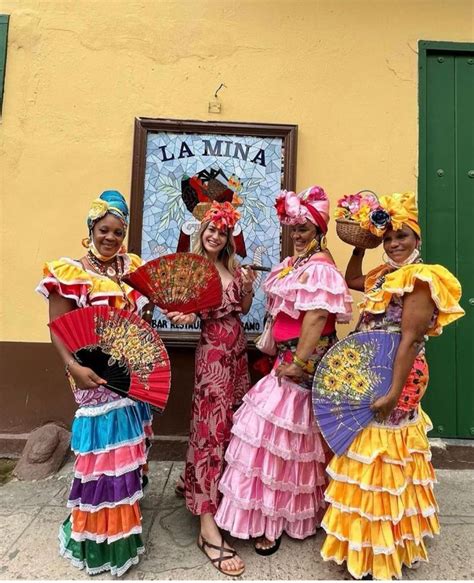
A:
{"points": [[111, 271], [302, 258]]}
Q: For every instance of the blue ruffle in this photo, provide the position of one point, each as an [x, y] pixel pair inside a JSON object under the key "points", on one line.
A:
{"points": [[145, 412], [107, 431]]}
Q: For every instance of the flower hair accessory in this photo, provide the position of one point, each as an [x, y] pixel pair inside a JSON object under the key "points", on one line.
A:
{"points": [[376, 215], [311, 204], [110, 201], [223, 215]]}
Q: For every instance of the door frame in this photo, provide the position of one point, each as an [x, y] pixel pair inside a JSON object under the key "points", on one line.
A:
{"points": [[424, 46]]}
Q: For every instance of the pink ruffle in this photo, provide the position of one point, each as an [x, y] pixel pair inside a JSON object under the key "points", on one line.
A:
{"points": [[254, 431], [316, 285], [250, 523], [287, 406], [111, 463]]}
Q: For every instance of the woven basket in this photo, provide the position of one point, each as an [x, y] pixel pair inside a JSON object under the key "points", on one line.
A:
{"points": [[352, 233]]}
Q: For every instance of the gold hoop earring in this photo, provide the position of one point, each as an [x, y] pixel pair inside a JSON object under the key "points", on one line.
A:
{"points": [[86, 242], [323, 244]]}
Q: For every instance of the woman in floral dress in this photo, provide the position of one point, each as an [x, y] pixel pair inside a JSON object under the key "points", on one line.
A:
{"points": [[381, 499], [221, 380]]}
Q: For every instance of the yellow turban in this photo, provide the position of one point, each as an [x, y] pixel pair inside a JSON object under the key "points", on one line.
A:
{"points": [[402, 210]]}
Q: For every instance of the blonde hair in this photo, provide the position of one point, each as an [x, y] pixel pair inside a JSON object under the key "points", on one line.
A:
{"points": [[226, 255]]}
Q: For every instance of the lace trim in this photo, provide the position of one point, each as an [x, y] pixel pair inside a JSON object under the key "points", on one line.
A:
{"points": [[111, 447], [261, 532], [96, 410], [316, 456], [376, 549], [41, 288], [369, 488], [364, 573], [272, 483], [115, 473], [102, 538], [256, 506], [81, 564], [387, 517], [91, 508], [369, 460]]}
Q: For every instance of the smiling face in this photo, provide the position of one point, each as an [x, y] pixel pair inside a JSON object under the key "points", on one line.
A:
{"points": [[302, 235], [399, 245], [108, 235], [214, 240]]}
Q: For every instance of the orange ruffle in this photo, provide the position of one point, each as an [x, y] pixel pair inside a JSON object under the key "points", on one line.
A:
{"points": [[106, 524]]}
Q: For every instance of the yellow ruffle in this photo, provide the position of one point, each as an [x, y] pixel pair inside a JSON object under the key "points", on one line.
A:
{"points": [[71, 273], [444, 287], [382, 566], [381, 500]]}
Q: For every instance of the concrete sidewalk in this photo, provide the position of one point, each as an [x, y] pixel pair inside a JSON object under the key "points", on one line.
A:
{"points": [[31, 512]]}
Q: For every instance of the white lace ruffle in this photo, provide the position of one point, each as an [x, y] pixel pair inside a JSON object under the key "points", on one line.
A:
{"points": [[82, 536], [96, 410], [112, 446], [115, 473], [91, 508]]}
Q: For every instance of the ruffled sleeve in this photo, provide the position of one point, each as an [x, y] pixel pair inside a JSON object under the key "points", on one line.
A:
{"points": [[133, 262], [316, 285], [67, 278], [444, 288]]}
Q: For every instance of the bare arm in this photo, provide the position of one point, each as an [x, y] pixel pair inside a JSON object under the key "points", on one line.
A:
{"points": [[354, 277], [313, 325], [248, 277], [418, 310], [84, 377]]}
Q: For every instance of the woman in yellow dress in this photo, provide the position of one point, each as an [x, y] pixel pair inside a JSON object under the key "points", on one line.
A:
{"points": [[381, 500]]}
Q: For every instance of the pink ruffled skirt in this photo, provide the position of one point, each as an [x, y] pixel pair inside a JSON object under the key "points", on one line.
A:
{"points": [[274, 481]]}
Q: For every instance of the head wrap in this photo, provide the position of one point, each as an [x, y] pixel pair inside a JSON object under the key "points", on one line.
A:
{"points": [[402, 210], [110, 201], [311, 204], [223, 215]]}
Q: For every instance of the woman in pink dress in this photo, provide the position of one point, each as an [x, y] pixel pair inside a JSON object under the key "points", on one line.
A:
{"points": [[221, 380], [274, 481]]}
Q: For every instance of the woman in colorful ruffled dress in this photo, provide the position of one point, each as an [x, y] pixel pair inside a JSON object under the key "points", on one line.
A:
{"points": [[221, 380], [274, 481], [109, 434], [381, 496]]}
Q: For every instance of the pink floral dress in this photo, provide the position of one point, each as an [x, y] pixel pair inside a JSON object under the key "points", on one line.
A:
{"points": [[221, 381]]}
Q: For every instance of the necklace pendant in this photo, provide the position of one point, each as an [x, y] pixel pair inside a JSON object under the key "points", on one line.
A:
{"points": [[111, 272]]}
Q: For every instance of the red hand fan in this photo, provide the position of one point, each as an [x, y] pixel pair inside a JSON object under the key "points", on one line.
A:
{"points": [[181, 282], [121, 348]]}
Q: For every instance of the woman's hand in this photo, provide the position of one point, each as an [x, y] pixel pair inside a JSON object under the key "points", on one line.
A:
{"points": [[179, 317], [248, 278], [290, 370], [383, 406], [84, 377]]}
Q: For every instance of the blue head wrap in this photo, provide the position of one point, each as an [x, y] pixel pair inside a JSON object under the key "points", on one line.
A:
{"points": [[110, 201]]}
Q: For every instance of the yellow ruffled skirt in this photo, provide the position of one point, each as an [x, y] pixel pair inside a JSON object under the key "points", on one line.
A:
{"points": [[381, 500]]}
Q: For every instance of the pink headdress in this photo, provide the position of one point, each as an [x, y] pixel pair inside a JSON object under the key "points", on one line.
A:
{"points": [[311, 204], [223, 215]]}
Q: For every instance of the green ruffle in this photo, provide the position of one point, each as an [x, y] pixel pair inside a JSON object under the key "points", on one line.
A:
{"points": [[116, 557]]}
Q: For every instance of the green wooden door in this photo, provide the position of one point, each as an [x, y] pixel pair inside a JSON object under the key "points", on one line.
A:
{"points": [[447, 203]]}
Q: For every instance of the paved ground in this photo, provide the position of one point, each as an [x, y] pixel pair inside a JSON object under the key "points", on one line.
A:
{"points": [[30, 513]]}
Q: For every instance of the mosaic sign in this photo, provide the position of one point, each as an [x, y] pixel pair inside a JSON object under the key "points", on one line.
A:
{"points": [[183, 173]]}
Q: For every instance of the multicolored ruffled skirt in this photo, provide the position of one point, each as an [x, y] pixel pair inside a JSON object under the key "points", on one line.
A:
{"points": [[103, 531], [381, 500], [274, 481]]}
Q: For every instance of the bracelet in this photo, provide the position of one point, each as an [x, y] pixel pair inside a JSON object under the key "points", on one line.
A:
{"points": [[299, 362], [69, 363]]}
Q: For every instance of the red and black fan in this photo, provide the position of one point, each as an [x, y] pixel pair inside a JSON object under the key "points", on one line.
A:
{"points": [[121, 348], [179, 282]]}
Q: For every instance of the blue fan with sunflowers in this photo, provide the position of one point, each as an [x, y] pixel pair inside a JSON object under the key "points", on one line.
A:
{"points": [[349, 378]]}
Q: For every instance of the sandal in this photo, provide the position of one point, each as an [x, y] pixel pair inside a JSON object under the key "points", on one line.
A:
{"points": [[231, 553], [270, 550], [179, 487]]}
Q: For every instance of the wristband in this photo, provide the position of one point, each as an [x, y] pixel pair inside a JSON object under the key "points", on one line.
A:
{"points": [[299, 362]]}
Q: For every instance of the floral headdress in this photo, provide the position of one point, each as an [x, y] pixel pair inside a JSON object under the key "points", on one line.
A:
{"points": [[110, 201], [376, 215], [311, 204], [223, 215]]}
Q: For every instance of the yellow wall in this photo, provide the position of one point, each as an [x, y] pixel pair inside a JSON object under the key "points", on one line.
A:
{"points": [[78, 72]]}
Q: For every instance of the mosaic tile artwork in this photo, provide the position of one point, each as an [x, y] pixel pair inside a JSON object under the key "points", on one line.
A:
{"points": [[250, 168]]}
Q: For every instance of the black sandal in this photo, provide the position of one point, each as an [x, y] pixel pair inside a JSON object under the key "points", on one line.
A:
{"points": [[231, 553], [270, 550]]}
